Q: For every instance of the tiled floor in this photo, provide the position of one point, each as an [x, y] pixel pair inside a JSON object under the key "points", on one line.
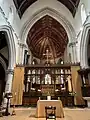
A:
{"points": [[29, 114]]}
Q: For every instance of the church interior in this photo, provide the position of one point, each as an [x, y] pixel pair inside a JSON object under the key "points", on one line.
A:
{"points": [[45, 59]]}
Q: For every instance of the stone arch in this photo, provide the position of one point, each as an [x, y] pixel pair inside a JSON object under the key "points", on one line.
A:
{"points": [[83, 14], [11, 45], [83, 46], [54, 14]]}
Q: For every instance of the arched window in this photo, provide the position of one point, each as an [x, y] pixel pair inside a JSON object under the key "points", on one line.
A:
{"points": [[83, 14], [60, 61]]}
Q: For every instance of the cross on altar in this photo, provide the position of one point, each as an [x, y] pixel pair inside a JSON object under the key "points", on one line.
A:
{"points": [[47, 55]]}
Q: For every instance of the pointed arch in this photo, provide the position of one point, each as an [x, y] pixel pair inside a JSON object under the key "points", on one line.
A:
{"points": [[54, 14], [11, 45]]}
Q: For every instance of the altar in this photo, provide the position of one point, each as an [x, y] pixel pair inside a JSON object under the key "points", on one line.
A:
{"points": [[41, 104]]}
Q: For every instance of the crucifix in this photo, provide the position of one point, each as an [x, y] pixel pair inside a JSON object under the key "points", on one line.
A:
{"points": [[47, 55]]}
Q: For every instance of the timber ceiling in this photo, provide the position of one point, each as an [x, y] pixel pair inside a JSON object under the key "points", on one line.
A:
{"points": [[22, 5], [47, 34]]}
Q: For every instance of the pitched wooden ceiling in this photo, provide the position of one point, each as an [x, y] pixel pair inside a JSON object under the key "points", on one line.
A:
{"points": [[22, 5], [45, 34]]}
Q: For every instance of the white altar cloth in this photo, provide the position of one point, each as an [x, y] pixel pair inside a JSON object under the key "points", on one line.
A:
{"points": [[41, 104]]}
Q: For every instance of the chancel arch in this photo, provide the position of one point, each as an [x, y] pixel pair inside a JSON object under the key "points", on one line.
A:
{"points": [[47, 40], [55, 15]]}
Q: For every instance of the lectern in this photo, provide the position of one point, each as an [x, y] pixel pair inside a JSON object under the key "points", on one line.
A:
{"points": [[8, 96]]}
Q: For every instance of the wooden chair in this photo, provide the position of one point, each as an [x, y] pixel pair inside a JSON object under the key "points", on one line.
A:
{"points": [[50, 112]]}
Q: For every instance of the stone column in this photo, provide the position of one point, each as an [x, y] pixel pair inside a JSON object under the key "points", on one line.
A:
{"points": [[30, 58], [8, 87], [22, 47], [9, 78], [74, 53]]}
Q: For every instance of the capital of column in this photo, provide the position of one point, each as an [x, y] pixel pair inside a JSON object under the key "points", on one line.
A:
{"points": [[72, 44], [10, 71], [22, 45]]}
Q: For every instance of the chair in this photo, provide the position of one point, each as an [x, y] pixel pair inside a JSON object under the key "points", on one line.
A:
{"points": [[50, 112]]}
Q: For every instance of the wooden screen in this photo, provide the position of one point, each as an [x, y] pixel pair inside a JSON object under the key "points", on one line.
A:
{"points": [[40, 81], [17, 87]]}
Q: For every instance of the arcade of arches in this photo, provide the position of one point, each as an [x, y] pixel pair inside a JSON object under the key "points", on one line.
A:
{"points": [[44, 51]]}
